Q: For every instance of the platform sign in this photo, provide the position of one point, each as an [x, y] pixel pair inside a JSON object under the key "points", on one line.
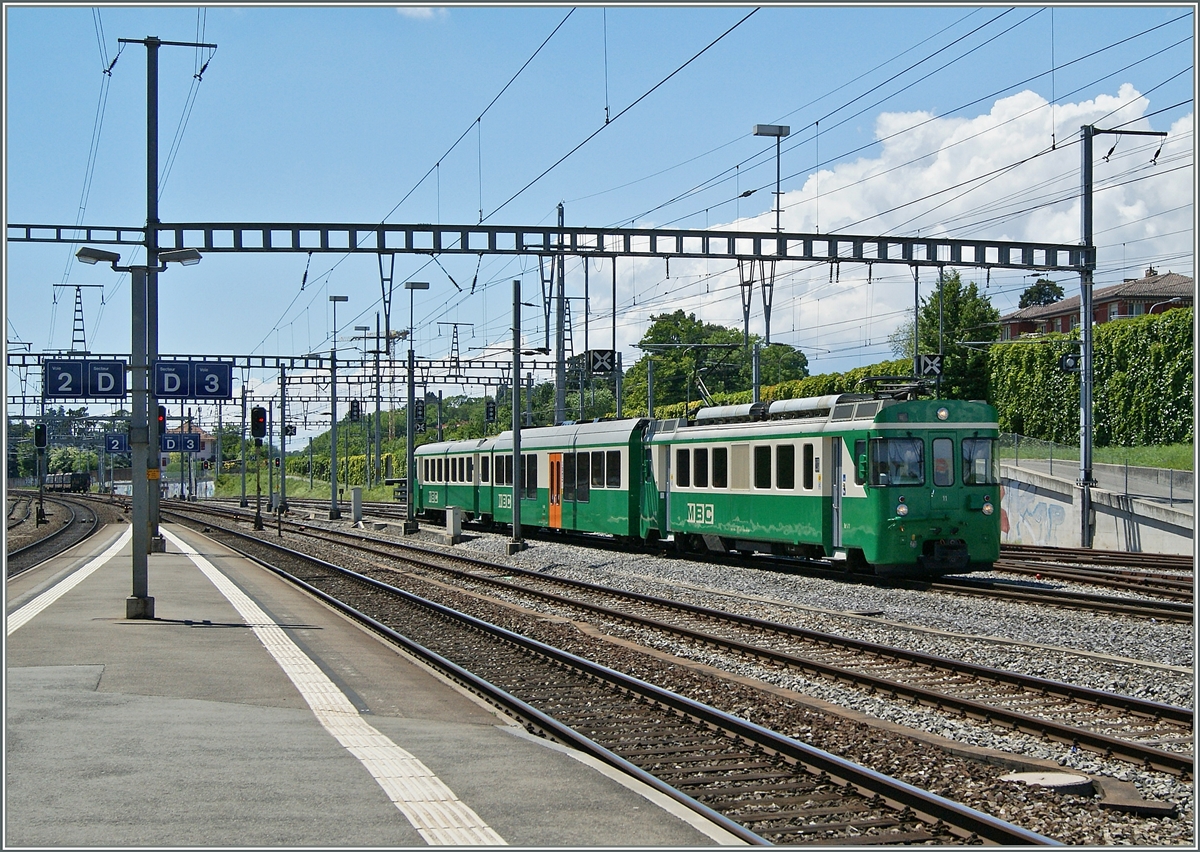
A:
{"points": [[180, 442], [80, 379], [116, 442], [193, 380]]}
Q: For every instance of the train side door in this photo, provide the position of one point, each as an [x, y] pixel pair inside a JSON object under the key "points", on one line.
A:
{"points": [[839, 489], [556, 463]]}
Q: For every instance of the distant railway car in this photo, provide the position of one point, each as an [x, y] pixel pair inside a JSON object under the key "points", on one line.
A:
{"points": [[580, 477], [81, 483], [884, 482]]}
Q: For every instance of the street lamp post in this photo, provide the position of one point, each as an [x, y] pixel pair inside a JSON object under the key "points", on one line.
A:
{"points": [[1172, 301], [334, 512], [139, 604], [778, 131], [410, 523], [362, 333]]}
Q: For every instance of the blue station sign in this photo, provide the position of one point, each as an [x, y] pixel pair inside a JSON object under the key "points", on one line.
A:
{"points": [[193, 380], [80, 379]]}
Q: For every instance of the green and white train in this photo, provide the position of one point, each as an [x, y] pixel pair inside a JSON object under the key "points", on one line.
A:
{"points": [[894, 485]]}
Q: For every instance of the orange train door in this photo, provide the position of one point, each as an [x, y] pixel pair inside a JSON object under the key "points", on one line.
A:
{"points": [[556, 463]]}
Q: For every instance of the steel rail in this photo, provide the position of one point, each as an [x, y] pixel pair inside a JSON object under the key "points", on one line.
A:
{"points": [[1101, 743], [868, 782]]}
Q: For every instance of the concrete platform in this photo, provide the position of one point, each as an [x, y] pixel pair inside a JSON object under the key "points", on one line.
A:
{"points": [[290, 727]]}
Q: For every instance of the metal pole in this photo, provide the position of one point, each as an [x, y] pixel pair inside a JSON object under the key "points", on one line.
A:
{"points": [[156, 541], [244, 502], [916, 321], [271, 454], [139, 604], [310, 470], [1085, 334], [517, 544], [378, 408], [410, 523], [778, 202], [756, 367], [560, 339], [650, 388], [283, 507], [941, 353]]}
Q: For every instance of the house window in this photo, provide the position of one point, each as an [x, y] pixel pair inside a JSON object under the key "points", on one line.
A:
{"points": [[1114, 310]]}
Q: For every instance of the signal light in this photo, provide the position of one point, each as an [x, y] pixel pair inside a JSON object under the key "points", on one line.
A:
{"points": [[419, 411], [490, 411], [276, 461], [39, 436], [258, 422], [162, 420], [355, 411], [1069, 363]]}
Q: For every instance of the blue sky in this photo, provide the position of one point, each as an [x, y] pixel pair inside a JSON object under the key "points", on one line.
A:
{"points": [[321, 114]]}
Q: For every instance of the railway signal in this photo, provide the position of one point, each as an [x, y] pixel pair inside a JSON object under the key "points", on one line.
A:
{"points": [[1069, 363], [39, 436], [258, 422], [162, 420], [355, 411], [490, 411]]}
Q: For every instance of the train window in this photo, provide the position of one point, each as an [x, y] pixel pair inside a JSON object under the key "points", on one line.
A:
{"points": [[424, 470], [860, 450], [808, 467], [897, 461], [470, 470], [700, 467], [943, 462], [455, 467], [867, 409], [845, 411], [508, 470], [785, 467], [568, 476], [484, 471], [597, 470], [762, 467], [683, 469], [582, 494], [720, 467], [529, 462], [980, 465], [613, 476], [439, 471]]}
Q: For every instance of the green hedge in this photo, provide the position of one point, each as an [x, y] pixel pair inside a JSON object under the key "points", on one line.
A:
{"points": [[1143, 383]]}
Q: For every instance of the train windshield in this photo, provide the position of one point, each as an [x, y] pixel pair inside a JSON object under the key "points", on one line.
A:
{"points": [[897, 461], [980, 465]]}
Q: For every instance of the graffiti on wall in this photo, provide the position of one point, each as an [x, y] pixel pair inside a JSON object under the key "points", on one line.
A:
{"points": [[1027, 517]]}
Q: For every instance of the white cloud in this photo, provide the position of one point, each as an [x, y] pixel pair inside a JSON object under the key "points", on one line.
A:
{"points": [[993, 175], [423, 13]]}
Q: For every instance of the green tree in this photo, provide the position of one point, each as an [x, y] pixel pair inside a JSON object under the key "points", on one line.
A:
{"points": [[686, 350], [966, 317], [1041, 292]]}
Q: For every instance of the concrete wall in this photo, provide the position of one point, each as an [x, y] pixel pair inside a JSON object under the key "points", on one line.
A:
{"points": [[1039, 509]]}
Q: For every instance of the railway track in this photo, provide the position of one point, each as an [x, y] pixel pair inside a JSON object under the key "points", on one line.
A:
{"points": [[1091, 556], [1112, 725], [70, 522], [764, 787], [1178, 608]]}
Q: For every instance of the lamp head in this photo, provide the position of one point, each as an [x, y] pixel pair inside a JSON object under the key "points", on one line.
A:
{"points": [[92, 256], [184, 257], [416, 285], [339, 298], [778, 130]]}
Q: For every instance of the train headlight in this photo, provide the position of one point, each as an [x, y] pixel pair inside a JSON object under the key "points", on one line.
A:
{"points": [[901, 510], [988, 508], [943, 413]]}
